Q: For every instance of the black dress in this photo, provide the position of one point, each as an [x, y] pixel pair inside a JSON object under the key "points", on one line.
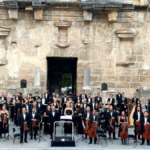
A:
{"points": [[80, 126], [3, 127], [68, 126]]}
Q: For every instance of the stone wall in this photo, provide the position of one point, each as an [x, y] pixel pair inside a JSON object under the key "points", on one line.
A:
{"points": [[114, 46]]}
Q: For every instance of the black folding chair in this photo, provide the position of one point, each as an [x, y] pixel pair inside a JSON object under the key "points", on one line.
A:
{"points": [[16, 135]]}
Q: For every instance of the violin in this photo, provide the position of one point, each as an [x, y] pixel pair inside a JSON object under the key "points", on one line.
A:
{"points": [[146, 134], [26, 127], [92, 132], [124, 132], [111, 126], [34, 124], [87, 126], [5, 119], [138, 128]]}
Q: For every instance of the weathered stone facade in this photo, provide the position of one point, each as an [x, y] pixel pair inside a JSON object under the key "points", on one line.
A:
{"points": [[111, 39]]}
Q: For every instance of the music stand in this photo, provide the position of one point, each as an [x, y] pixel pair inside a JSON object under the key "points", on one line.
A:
{"points": [[8, 136]]}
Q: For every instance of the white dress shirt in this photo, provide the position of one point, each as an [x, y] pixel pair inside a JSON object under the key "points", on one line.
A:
{"points": [[53, 113], [138, 115], [93, 118], [24, 116], [89, 100], [33, 115], [88, 114], [43, 100], [110, 100], [145, 120]]}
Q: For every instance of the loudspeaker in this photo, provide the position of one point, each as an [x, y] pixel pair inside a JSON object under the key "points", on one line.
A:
{"points": [[23, 83]]}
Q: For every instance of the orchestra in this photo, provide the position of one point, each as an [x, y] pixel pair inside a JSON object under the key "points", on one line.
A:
{"points": [[89, 114]]}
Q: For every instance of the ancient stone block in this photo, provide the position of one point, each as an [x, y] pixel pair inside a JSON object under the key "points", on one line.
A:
{"points": [[144, 78], [87, 15], [38, 14], [112, 16], [122, 85], [13, 13]]}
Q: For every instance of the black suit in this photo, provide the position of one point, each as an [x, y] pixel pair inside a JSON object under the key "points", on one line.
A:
{"points": [[36, 98], [44, 103], [135, 100], [112, 102], [64, 100], [21, 124], [92, 119], [119, 98], [27, 107], [92, 104], [19, 93], [89, 99], [4, 98], [46, 96], [98, 97], [76, 99], [18, 98], [12, 108], [31, 124], [85, 105], [85, 95], [142, 121], [123, 106], [52, 119], [4, 104]]}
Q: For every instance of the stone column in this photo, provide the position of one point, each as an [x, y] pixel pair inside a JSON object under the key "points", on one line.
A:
{"points": [[37, 81], [86, 85]]}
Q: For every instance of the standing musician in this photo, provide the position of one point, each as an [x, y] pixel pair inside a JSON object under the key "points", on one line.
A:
{"points": [[85, 104], [24, 99], [92, 104], [4, 115], [17, 97], [82, 98], [77, 105], [17, 111], [52, 97], [123, 102], [134, 100], [122, 119], [137, 117], [19, 93], [64, 100], [77, 98], [89, 99], [86, 116], [144, 120], [4, 104], [46, 95], [33, 123], [110, 116], [43, 99], [119, 99], [112, 100], [83, 93], [139, 105], [93, 118], [12, 104], [2, 98], [27, 106], [36, 97], [98, 96], [24, 120], [53, 116]]}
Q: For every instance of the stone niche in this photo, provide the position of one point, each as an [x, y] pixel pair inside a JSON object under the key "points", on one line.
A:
{"points": [[3, 34], [126, 39], [62, 34]]}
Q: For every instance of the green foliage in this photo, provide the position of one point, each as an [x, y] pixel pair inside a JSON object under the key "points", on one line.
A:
{"points": [[66, 79]]}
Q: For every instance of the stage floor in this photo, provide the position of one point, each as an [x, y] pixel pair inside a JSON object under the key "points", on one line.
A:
{"points": [[32, 144]]}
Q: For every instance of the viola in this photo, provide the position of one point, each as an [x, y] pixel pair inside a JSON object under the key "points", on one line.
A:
{"points": [[124, 132], [111, 126], [92, 132], [26, 127], [87, 126], [146, 134], [5, 119], [34, 124], [138, 128]]}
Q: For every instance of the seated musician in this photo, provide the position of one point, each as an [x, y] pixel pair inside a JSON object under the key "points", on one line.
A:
{"points": [[4, 115], [93, 118], [122, 119], [112, 100], [17, 111], [45, 119], [53, 116], [111, 115], [134, 100], [23, 119], [86, 116], [137, 117], [89, 99], [33, 117], [144, 120]]}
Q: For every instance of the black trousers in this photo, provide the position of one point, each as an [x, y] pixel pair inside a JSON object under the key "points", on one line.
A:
{"points": [[51, 129], [95, 139], [135, 131], [113, 134], [143, 141], [35, 132], [23, 134]]}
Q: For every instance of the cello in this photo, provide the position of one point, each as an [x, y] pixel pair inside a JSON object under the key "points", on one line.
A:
{"points": [[34, 124], [92, 132], [111, 127], [26, 127], [124, 132], [87, 126], [138, 128], [146, 134]]}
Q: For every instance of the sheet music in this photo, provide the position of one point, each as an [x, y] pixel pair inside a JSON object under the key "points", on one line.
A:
{"points": [[67, 117]]}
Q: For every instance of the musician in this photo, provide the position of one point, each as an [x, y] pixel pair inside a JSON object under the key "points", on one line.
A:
{"points": [[81, 110], [144, 120], [112, 100], [55, 104], [24, 99], [83, 93], [27, 106], [4, 104], [77, 105], [89, 99], [33, 117], [17, 97], [139, 105], [119, 99], [31, 101], [12, 104], [68, 110], [3, 97], [85, 104], [92, 104], [23, 118], [44, 102], [40, 105], [134, 99], [53, 116], [53, 96], [98, 96], [98, 100], [86, 116], [97, 108], [122, 119], [137, 117], [37, 110], [19, 93], [123, 102], [17, 111], [82, 98], [4, 126], [64, 100], [36, 97], [77, 98], [93, 118], [111, 115], [46, 95], [45, 119]]}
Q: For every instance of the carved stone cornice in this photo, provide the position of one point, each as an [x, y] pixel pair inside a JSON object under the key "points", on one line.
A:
{"points": [[126, 33], [63, 24], [4, 31]]}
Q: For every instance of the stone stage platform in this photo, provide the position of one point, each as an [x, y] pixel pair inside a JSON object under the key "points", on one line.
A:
{"points": [[32, 144]]}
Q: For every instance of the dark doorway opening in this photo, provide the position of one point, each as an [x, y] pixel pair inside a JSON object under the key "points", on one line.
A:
{"points": [[61, 71]]}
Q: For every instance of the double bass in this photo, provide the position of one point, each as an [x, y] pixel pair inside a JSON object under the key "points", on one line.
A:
{"points": [[92, 132], [146, 133]]}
